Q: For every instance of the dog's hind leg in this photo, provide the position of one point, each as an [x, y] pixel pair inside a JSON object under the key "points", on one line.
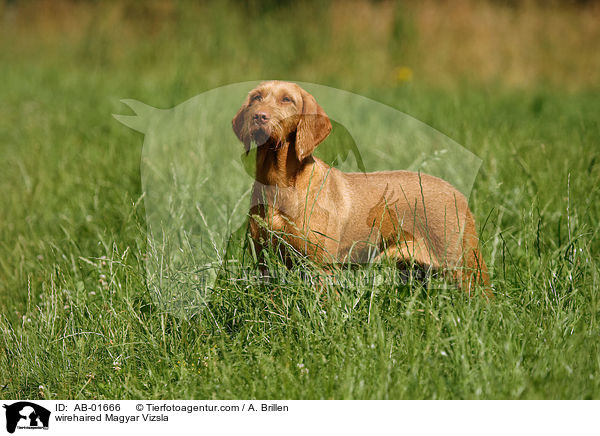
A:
{"points": [[473, 272]]}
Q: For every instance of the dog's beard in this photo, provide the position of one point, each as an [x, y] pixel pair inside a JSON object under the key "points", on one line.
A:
{"points": [[261, 135], [267, 135]]}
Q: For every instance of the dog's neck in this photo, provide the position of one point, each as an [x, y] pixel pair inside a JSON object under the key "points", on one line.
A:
{"points": [[278, 165]]}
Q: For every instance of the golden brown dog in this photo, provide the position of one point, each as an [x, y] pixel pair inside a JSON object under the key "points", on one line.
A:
{"points": [[336, 217]]}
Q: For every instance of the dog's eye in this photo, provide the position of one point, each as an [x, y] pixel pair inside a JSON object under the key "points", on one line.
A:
{"points": [[286, 99], [257, 97]]}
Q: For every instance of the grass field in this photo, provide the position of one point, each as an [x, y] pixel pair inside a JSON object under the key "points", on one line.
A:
{"points": [[77, 320]]}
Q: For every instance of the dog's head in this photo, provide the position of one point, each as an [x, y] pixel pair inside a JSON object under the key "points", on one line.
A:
{"points": [[277, 112]]}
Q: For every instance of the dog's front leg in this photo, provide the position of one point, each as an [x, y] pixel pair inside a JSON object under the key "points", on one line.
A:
{"points": [[258, 241]]}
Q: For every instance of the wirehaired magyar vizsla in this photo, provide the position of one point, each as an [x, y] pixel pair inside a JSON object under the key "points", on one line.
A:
{"points": [[335, 217]]}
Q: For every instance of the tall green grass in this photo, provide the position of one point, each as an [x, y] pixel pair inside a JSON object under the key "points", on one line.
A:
{"points": [[77, 320]]}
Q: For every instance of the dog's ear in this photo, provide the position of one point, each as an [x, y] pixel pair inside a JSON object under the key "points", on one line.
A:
{"points": [[313, 127], [238, 126]]}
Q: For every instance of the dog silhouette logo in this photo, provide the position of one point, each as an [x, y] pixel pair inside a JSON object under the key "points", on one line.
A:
{"points": [[197, 182], [26, 415]]}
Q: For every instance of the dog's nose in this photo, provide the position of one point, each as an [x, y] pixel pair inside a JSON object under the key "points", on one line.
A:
{"points": [[261, 117]]}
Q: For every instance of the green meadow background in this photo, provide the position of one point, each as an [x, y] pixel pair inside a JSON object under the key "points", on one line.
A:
{"points": [[516, 83]]}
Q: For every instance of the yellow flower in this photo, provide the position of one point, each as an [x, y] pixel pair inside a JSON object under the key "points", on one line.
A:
{"points": [[404, 74]]}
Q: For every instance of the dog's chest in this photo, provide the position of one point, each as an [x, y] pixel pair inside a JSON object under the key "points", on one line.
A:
{"points": [[295, 216]]}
